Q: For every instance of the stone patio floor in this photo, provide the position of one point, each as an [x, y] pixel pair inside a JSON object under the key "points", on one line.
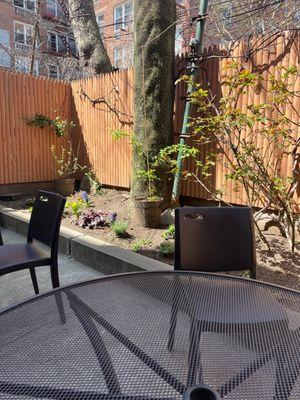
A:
{"points": [[17, 286]]}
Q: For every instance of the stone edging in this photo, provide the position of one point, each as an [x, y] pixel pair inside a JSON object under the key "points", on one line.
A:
{"points": [[95, 253]]}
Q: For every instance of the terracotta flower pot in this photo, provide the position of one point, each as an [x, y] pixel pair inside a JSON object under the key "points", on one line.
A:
{"points": [[65, 187], [148, 212]]}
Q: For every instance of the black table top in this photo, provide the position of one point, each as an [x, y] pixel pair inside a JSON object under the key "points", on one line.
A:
{"points": [[110, 339]]}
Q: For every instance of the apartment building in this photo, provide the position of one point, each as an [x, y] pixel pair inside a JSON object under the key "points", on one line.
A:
{"points": [[34, 35], [115, 20]]}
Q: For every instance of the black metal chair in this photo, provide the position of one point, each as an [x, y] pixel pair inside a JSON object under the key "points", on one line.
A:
{"points": [[43, 227], [210, 239], [215, 239]]}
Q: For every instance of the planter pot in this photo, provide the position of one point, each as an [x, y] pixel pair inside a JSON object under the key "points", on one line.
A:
{"points": [[148, 212], [65, 187]]}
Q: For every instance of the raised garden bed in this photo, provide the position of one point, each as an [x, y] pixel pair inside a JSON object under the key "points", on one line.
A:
{"points": [[280, 266]]}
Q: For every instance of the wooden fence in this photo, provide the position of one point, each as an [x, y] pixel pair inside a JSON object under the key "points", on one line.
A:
{"points": [[269, 55], [25, 151], [102, 106]]}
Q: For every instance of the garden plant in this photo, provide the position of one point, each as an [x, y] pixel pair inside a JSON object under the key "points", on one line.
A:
{"points": [[229, 130]]}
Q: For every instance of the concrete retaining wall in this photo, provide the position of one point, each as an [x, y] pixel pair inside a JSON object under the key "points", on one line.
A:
{"points": [[103, 256]]}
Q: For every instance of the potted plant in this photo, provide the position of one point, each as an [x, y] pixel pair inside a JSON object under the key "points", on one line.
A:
{"points": [[148, 207], [66, 167]]}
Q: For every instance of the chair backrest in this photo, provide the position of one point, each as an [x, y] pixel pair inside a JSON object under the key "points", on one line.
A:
{"points": [[45, 219], [214, 239]]}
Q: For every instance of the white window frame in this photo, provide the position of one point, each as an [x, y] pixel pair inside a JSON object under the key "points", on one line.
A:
{"points": [[25, 5], [68, 40], [57, 71], [126, 57], [58, 12], [178, 39], [26, 36], [100, 24], [57, 35], [5, 58], [122, 25], [227, 15]]}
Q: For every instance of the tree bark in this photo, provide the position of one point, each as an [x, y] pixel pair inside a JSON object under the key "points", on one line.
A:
{"points": [[154, 59], [87, 36]]}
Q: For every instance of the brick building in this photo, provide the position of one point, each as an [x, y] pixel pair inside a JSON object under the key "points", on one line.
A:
{"points": [[115, 20], [54, 51], [34, 33]]}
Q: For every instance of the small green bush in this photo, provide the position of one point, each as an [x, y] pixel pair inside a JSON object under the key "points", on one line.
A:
{"points": [[166, 248], [120, 228], [77, 203], [140, 245], [75, 207], [170, 233]]}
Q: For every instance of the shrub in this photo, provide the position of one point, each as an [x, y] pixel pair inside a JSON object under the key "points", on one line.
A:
{"points": [[170, 232], [166, 248], [77, 203], [95, 185], [92, 219], [75, 207], [140, 245], [120, 228]]}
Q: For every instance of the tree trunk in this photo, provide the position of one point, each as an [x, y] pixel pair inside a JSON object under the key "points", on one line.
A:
{"points": [[154, 60], [87, 37]]}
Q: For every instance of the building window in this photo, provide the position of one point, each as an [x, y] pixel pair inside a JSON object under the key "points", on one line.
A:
{"points": [[29, 5], [72, 46], [178, 40], [53, 71], [227, 16], [23, 34], [56, 43], [5, 58], [23, 64], [54, 9], [123, 16], [261, 27], [100, 21], [123, 57]]}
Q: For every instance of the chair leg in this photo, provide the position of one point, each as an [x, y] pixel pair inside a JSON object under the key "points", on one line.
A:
{"points": [[253, 273], [54, 275], [34, 280]]}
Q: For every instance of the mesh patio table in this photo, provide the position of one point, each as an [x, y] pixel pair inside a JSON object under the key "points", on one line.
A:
{"points": [[110, 339]]}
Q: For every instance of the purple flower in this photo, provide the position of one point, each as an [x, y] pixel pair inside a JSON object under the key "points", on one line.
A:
{"points": [[84, 196], [112, 217]]}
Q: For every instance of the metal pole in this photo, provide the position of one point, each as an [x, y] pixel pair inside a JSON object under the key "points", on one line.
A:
{"points": [[196, 47]]}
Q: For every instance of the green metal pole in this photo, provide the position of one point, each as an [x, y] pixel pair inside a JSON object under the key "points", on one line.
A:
{"points": [[196, 43]]}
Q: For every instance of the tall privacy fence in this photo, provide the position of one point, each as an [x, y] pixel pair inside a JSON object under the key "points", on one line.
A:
{"points": [[102, 107]]}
